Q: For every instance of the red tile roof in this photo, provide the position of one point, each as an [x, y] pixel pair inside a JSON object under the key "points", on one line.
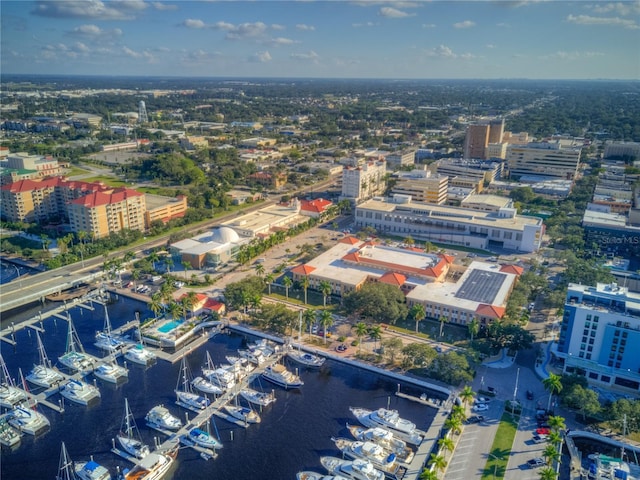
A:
{"points": [[490, 311], [318, 205], [393, 278], [515, 269], [95, 199], [433, 272], [352, 240], [303, 269]]}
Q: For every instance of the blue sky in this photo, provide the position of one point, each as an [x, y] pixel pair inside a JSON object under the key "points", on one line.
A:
{"points": [[324, 39]]}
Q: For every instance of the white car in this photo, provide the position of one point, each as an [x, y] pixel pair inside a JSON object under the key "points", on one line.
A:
{"points": [[480, 407], [481, 400]]}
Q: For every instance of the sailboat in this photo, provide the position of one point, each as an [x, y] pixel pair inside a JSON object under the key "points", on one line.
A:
{"points": [[105, 340], [128, 433], [75, 358], [220, 377], [9, 436], [110, 371], [26, 418], [10, 395], [42, 374], [79, 392], [139, 353], [185, 395], [202, 438], [65, 466], [304, 358], [244, 414], [257, 397]]}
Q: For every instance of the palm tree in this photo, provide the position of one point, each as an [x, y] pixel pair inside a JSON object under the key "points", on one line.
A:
{"points": [[454, 424], [135, 276], [458, 412], [556, 423], [547, 473], [268, 279], [193, 298], [287, 282], [185, 266], [474, 328], [375, 334], [325, 289], [326, 320], [259, 269], [169, 263], [442, 319], [446, 444], [551, 454], [554, 438], [309, 317], [174, 309], [553, 385], [128, 256], [361, 331], [305, 285], [153, 258], [438, 462], [155, 305], [187, 305], [417, 313], [428, 475], [466, 395]]}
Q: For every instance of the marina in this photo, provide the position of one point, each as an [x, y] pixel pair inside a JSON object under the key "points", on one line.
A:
{"points": [[313, 405]]}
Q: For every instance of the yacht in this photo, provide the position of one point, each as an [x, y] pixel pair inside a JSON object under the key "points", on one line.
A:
{"points": [[202, 439], [382, 459], [111, 372], [263, 346], [42, 374], [352, 469], [205, 386], [254, 356], [10, 395], [244, 414], [221, 377], [105, 340], [9, 436], [306, 359], [279, 375], [74, 358], [160, 417], [79, 392], [91, 471], [152, 467], [185, 395], [391, 420], [140, 354], [308, 475], [257, 398], [385, 439], [28, 420], [129, 437]]}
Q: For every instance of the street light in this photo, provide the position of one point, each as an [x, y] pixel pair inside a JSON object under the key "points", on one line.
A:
{"points": [[19, 277], [495, 465]]}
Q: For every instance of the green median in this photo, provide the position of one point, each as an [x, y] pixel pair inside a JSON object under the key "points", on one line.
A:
{"points": [[496, 465]]}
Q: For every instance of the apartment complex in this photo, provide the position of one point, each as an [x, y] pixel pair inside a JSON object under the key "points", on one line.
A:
{"points": [[480, 135], [600, 334], [402, 158], [503, 229], [546, 159], [422, 186], [622, 150], [363, 181]]}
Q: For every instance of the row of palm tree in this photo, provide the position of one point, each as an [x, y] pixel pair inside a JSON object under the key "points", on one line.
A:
{"points": [[373, 331], [552, 452]]}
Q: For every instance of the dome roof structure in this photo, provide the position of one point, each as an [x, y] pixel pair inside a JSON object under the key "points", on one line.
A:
{"points": [[225, 235]]}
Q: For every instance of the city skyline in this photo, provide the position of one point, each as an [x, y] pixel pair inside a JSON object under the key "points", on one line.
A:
{"points": [[355, 39]]}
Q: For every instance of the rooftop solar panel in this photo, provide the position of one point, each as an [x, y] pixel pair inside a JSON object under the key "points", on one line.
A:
{"points": [[481, 286]]}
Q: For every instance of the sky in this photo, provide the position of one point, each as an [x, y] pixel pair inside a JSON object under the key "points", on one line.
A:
{"points": [[479, 39]]}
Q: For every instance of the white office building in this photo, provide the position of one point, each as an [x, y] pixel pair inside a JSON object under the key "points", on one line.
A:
{"points": [[546, 159], [363, 181]]}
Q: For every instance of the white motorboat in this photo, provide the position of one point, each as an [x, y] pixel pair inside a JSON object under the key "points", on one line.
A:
{"points": [[28, 420], [105, 339], [91, 470], [205, 386], [352, 469], [129, 437], [160, 417], [184, 393], [9, 436], [244, 414], [42, 374], [75, 358], [10, 395], [140, 354], [309, 475], [279, 375], [263, 346], [391, 420], [203, 439], [111, 372], [254, 356], [382, 459], [79, 392], [152, 467], [385, 439], [304, 358], [257, 398], [221, 377]]}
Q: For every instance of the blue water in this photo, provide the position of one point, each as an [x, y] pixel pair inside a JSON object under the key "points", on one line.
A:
{"points": [[167, 327], [295, 430]]}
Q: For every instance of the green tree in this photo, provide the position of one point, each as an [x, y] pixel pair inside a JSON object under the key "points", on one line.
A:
{"points": [[454, 424], [418, 355], [259, 268], [553, 385], [186, 266], [309, 317], [304, 283], [547, 473], [466, 395], [392, 346], [287, 282], [174, 309], [155, 305], [380, 301], [446, 444], [551, 454], [473, 327], [556, 423], [427, 474], [375, 334], [268, 279], [361, 331], [325, 289], [417, 313], [438, 462], [583, 399], [442, 319], [326, 320]]}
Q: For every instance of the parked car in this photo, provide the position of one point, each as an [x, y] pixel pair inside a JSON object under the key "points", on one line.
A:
{"points": [[529, 395], [481, 400], [539, 438], [543, 431], [536, 462], [475, 419], [481, 407]]}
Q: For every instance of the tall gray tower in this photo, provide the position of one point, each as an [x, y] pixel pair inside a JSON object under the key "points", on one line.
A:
{"points": [[142, 113]]}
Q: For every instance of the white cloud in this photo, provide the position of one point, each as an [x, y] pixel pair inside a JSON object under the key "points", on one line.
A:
{"points": [[391, 12], [163, 6], [81, 47], [621, 8], [609, 21], [279, 41], [193, 23], [305, 28], [261, 57], [563, 55], [138, 55], [242, 30], [313, 56], [465, 24], [490, 45], [113, 10], [428, 25], [442, 51], [375, 3], [93, 32], [366, 24], [503, 25], [276, 26]]}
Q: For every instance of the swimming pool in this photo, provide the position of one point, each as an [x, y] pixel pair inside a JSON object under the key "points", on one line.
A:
{"points": [[167, 327]]}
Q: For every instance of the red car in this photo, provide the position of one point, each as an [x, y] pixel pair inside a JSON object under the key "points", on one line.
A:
{"points": [[543, 431]]}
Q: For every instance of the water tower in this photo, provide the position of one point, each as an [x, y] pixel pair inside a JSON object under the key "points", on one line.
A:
{"points": [[142, 113]]}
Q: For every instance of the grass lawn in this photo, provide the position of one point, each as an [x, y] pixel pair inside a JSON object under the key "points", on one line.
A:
{"points": [[501, 448], [75, 171], [107, 180]]}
